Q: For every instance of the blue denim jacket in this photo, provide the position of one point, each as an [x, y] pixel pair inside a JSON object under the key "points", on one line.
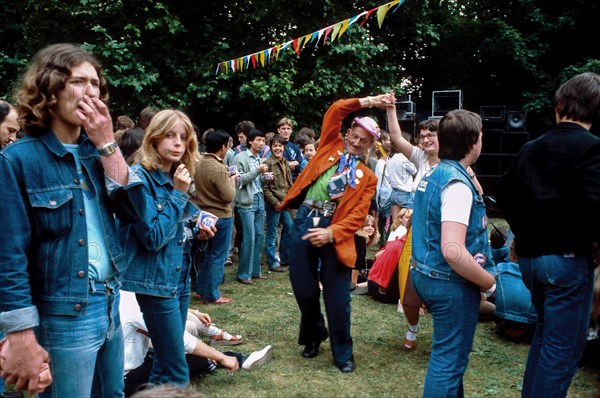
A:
{"points": [[427, 225], [43, 245], [154, 245]]}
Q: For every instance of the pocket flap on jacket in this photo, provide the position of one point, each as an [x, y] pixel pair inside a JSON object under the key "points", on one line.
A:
{"points": [[51, 199]]}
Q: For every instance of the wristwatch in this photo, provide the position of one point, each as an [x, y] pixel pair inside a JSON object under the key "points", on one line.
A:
{"points": [[108, 149]]}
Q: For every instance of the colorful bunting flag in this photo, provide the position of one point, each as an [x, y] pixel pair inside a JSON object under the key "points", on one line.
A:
{"points": [[298, 44]]}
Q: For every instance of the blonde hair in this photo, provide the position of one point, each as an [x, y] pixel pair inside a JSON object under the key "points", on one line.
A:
{"points": [[398, 221], [285, 120], [373, 239], [163, 122]]}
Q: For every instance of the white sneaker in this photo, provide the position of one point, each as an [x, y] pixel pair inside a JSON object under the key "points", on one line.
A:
{"points": [[258, 358]]}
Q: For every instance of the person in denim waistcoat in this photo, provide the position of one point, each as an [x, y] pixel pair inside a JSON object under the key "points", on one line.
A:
{"points": [[62, 186], [450, 215], [158, 270]]}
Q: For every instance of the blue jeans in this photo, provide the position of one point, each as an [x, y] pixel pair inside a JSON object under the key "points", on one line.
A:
{"points": [[165, 319], [454, 307], [86, 351], [253, 225], [273, 220], [211, 266], [561, 291]]}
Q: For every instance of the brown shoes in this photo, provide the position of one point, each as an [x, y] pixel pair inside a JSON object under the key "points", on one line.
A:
{"points": [[245, 281]]}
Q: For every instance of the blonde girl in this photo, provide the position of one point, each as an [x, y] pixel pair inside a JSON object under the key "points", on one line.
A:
{"points": [[158, 269]]}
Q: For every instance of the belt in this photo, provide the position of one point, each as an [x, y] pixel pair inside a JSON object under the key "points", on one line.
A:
{"points": [[324, 207]]}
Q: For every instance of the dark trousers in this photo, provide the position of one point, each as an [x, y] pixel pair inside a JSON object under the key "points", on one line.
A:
{"points": [[335, 277], [137, 378]]}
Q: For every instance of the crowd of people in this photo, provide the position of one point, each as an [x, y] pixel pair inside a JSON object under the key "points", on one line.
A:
{"points": [[111, 228]]}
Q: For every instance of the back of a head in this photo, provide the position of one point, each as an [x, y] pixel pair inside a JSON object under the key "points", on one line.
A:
{"points": [[145, 117], [578, 99], [497, 237], [244, 127], [130, 142], [306, 131], [124, 122], [458, 131], [215, 139], [45, 76]]}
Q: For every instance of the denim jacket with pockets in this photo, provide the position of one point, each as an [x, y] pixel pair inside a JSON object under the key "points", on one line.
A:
{"points": [[43, 245], [427, 254], [154, 246]]}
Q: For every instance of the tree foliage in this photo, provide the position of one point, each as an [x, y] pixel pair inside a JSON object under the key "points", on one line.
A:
{"points": [[164, 53]]}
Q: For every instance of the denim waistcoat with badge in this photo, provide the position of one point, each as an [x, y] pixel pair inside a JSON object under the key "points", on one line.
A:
{"points": [[44, 224], [427, 226], [154, 246]]}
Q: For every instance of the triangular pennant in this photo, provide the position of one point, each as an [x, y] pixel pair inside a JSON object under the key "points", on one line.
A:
{"points": [[327, 32], [314, 37], [261, 57], [344, 28], [253, 60], [218, 68], [336, 29], [320, 35], [306, 39], [381, 13]]}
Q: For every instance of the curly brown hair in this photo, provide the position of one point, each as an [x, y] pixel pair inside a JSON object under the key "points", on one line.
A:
{"points": [[45, 76]]}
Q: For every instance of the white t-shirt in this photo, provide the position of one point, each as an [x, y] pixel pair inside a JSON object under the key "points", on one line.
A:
{"points": [[400, 172], [457, 200], [420, 159], [397, 233]]}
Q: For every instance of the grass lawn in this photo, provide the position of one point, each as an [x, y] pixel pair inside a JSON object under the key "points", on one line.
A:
{"points": [[266, 313]]}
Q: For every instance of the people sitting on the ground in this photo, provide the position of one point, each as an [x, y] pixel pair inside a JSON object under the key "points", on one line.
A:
{"points": [[366, 237], [383, 282], [201, 358], [515, 316], [498, 241], [199, 325]]}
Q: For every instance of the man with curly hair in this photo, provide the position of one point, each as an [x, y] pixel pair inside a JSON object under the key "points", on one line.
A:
{"points": [[60, 258]]}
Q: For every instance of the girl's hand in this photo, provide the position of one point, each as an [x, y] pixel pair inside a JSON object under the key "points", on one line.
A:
{"points": [[182, 179], [203, 317]]}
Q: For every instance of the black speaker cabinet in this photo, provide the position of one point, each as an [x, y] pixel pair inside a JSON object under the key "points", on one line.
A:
{"points": [[516, 121], [445, 101], [493, 117]]}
